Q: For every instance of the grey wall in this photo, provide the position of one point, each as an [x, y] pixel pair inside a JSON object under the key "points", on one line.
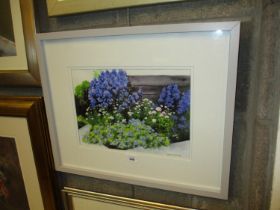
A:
{"points": [[257, 97]]}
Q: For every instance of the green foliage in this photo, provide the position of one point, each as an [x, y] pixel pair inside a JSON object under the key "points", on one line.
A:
{"points": [[103, 117], [82, 120], [159, 118], [81, 89], [96, 73], [142, 109], [126, 136], [81, 101]]}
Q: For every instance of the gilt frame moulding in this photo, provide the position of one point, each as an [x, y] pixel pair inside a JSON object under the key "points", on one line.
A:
{"points": [[22, 69], [81, 199], [63, 7], [167, 51], [24, 120]]}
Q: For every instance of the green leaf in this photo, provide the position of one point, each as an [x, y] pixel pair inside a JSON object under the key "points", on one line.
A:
{"points": [[96, 73], [81, 88]]}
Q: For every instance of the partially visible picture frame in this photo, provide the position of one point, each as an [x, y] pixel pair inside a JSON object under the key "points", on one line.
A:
{"points": [[23, 121], [76, 199], [112, 138], [63, 7], [20, 68]]}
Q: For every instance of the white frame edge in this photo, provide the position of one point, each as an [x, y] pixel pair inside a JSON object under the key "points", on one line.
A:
{"points": [[231, 89], [275, 193]]}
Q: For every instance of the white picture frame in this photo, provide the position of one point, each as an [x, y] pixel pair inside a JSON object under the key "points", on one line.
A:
{"points": [[209, 50]]}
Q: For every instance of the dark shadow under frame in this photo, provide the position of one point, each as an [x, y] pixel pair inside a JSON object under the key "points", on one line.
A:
{"points": [[32, 108], [29, 77]]}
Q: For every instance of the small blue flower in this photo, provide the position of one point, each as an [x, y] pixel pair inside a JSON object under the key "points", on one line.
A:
{"points": [[182, 123], [111, 89], [169, 96], [184, 103]]}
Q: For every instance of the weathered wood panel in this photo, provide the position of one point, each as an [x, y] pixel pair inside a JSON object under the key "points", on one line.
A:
{"points": [[152, 85]]}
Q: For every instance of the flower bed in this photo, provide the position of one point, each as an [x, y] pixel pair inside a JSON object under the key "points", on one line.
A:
{"points": [[122, 117]]}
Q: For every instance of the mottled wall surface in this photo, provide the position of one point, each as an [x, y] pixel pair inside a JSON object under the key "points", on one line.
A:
{"points": [[257, 97]]}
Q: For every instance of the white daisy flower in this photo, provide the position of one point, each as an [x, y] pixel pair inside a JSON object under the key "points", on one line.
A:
{"points": [[158, 109]]}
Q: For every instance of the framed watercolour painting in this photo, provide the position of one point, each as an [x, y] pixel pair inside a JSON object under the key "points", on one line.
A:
{"points": [[146, 105], [62, 7], [18, 59], [26, 168]]}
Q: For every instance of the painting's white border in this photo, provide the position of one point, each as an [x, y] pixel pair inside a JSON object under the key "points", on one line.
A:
{"points": [[17, 128], [216, 189], [18, 62]]}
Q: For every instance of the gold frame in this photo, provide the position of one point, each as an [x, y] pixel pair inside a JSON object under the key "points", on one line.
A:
{"points": [[25, 120], [62, 7], [24, 24], [68, 193]]}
